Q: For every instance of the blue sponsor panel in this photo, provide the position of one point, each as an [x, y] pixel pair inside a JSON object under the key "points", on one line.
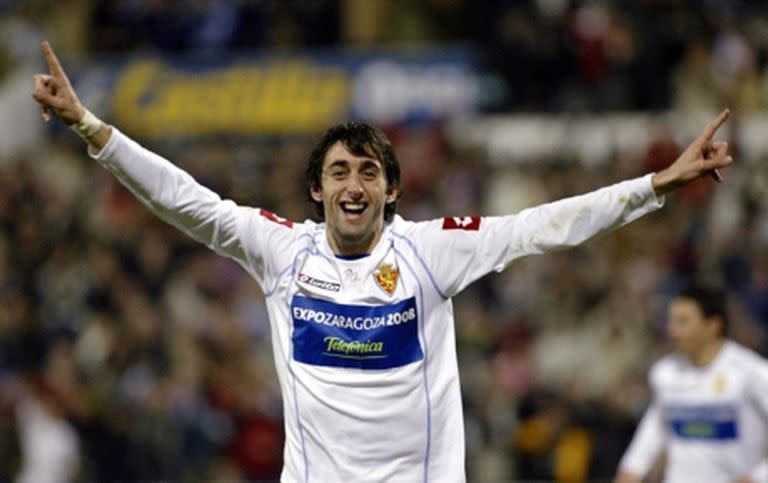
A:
{"points": [[359, 336], [703, 422]]}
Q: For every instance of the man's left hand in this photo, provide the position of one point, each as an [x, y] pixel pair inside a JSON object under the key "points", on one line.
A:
{"points": [[703, 157]]}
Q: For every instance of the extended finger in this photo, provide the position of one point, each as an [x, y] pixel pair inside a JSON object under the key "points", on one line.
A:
{"points": [[53, 62], [713, 126]]}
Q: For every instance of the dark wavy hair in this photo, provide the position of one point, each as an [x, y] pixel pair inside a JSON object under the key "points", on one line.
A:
{"points": [[360, 139], [712, 302]]}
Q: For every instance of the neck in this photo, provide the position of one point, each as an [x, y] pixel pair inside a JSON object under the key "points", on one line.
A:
{"points": [[347, 247], [707, 354]]}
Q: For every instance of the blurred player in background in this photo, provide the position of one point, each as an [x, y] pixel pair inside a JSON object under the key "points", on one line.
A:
{"points": [[710, 401], [360, 305]]}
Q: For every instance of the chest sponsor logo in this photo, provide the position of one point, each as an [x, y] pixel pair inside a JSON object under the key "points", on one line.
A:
{"points": [[715, 422], [386, 277], [317, 283], [468, 223], [359, 336], [277, 219]]}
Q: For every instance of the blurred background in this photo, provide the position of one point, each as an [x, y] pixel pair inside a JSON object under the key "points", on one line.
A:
{"points": [[129, 353]]}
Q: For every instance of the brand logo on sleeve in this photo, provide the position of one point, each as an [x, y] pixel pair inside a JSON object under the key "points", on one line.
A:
{"points": [[326, 333], [386, 276], [277, 219], [468, 223]]}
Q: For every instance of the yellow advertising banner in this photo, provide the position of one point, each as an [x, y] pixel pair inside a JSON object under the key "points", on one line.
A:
{"points": [[152, 98]]}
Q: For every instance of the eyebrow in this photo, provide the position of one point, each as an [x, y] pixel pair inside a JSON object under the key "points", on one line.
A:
{"points": [[365, 163]]}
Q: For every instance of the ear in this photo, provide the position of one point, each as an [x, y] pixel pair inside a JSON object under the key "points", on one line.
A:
{"points": [[316, 194], [717, 325], [392, 194]]}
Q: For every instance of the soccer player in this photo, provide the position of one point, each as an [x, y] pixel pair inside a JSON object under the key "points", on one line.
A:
{"points": [[710, 401], [360, 304]]}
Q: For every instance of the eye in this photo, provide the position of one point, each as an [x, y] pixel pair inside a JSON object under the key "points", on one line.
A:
{"points": [[369, 174], [338, 173]]}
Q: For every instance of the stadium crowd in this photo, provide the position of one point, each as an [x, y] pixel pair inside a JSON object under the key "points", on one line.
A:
{"points": [[553, 55], [153, 354]]}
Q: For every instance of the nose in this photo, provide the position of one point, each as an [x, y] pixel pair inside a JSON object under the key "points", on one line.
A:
{"points": [[354, 187]]}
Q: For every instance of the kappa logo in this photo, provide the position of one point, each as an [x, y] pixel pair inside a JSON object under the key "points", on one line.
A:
{"points": [[317, 283], [386, 277], [468, 223], [277, 219]]}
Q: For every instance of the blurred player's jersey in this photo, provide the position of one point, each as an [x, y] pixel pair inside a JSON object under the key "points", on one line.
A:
{"points": [[364, 348], [713, 421]]}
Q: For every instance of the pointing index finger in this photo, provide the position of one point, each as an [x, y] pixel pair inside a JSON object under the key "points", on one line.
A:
{"points": [[53, 62], [713, 126]]}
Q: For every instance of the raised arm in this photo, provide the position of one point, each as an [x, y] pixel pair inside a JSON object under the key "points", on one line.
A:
{"points": [[479, 245], [241, 233]]}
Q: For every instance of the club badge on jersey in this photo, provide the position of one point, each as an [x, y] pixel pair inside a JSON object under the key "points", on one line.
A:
{"points": [[719, 384], [386, 276]]}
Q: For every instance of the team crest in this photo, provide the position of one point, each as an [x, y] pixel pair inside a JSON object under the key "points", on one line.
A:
{"points": [[386, 277], [719, 384]]}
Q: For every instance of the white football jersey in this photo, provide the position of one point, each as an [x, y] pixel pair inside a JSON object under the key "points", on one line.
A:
{"points": [[713, 420], [364, 348]]}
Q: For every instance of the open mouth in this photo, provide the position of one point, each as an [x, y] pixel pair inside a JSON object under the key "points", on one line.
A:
{"points": [[353, 208]]}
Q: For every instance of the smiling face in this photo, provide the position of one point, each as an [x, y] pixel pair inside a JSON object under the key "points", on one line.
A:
{"points": [[353, 190]]}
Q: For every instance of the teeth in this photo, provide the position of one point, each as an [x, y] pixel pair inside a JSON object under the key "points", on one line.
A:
{"points": [[353, 207]]}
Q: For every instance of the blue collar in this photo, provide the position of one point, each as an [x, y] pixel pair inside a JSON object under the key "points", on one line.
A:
{"points": [[351, 257]]}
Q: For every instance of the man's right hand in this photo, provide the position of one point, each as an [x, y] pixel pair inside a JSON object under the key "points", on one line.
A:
{"points": [[54, 92], [55, 95]]}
